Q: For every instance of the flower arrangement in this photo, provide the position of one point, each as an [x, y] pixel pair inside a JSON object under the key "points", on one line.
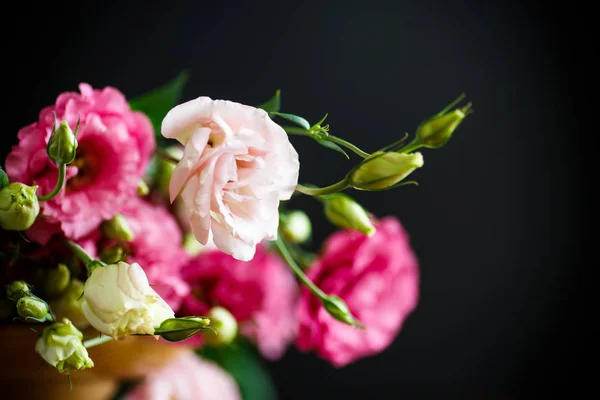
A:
{"points": [[148, 217]]}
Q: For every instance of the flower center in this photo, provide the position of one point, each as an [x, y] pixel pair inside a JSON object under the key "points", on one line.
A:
{"points": [[87, 170]]}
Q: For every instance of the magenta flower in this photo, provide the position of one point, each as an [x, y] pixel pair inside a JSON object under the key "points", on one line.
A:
{"points": [[260, 294], [376, 276], [115, 145]]}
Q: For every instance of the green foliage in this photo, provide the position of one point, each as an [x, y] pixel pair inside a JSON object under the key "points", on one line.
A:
{"points": [[274, 104], [3, 178]]}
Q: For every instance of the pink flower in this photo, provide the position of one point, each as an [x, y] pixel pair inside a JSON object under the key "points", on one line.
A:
{"points": [[378, 278], [237, 165], [261, 295], [115, 145], [188, 377]]}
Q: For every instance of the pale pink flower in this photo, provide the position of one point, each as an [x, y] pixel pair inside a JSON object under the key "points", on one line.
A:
{"points": [[237, 165], [187, 377], [115, 145], [378, 278], [260, 294]]}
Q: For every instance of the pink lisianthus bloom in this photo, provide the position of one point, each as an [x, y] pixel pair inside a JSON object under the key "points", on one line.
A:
{"points": [[115, 145], [236, 167], [260, 294], [187, 377], [376, 276]]}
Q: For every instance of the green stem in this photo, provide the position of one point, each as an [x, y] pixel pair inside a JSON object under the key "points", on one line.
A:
{"points": [[412, 146], [317, 191], [89, 262], [298, 271], [292, 130], [62, 172], [96, 341]]}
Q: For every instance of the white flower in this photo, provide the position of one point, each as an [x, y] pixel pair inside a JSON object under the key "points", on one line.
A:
{"points": [[118, 301], [60, 346]]}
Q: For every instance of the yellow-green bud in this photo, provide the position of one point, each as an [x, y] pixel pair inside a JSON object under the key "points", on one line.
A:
{"points": [[68, 305], [62, 145], [61, 346], [32, 309], [436, 131], [117, 228], [337, 308], [166, 167], [346, 213], [18, 289], [142, 189], [19, 206], [112, 255], [225, 327], [57, 280], [178, 329], [191, 245], [296, 226], [383, 170]]}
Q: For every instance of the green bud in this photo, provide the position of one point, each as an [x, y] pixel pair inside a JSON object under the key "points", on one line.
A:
{"points": [[68, 305], [33, 309], [18, 289], [117, 228], [296, 226], [191, 245], [436, 131], [178, 329], [346, 213], [57, 280], [384, 170], [337, 308], [62, 145], [225, 327], [61, 346], [142, 189], [112, 255], [166, 167], [19, 206]]}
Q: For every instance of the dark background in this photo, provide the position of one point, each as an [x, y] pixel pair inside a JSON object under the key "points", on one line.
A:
{"points": [[498, 221]]}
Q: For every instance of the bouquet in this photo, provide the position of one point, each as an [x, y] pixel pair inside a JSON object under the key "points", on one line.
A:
{"points": [[152, 218]]}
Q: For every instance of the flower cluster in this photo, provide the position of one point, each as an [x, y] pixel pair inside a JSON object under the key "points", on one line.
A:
{"points": [[103, 229]]}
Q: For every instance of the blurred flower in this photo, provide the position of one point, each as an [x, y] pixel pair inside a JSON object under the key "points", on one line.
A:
{"points": [[60, 346], [68, 305], [114, 146], [296, 226], [187, 377], [118, 301], [57, 280], [19, 206], [260, 294], [378, 279], [237, 165], [117, 228]]}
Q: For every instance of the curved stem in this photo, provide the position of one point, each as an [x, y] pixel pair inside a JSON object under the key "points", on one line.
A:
{"points": [[293, 130], [96, 341], [336, 187], [412, 146], [62, 172], [89, 262], [298, 271]]}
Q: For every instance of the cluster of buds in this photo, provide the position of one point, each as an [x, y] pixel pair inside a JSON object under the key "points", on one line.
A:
{"points": [[30, 308]]}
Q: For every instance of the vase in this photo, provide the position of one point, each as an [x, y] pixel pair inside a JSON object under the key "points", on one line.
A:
{"points": [[24, 375]]}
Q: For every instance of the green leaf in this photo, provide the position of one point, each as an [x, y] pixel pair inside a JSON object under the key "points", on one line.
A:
{"points": [[3, 178], [330, 145], [157, 103], [245, 366], [272, 105], [293, 118]]}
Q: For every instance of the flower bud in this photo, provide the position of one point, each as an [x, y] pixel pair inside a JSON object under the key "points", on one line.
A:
{"points": [[384, 170], [337, 308], [19, 206], [61, 346], [68, 305], [165, 168], [57, 280], [178, 329], [192, 246], [436, 131], [346, 213], [117, 228], [33, 309], [296, 226], [225, 327], [18, 289], [62, 145], [142, 189], [111, 255]]}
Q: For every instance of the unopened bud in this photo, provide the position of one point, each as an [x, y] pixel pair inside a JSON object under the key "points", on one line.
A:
{"points": [[165, 168], [57, 280], [296, 226], [337, 308], [117, 228], [18, 289], [111, 255], [436, 131], [68, 305], [33, 309], [61, 346], [384, 170], [225, 327], [142, 189], [178, 329], [62, 145], [346, 213], [19, 206]]}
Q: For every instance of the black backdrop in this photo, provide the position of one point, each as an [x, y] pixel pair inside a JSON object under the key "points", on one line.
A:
{"points": [[498, 220]]}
